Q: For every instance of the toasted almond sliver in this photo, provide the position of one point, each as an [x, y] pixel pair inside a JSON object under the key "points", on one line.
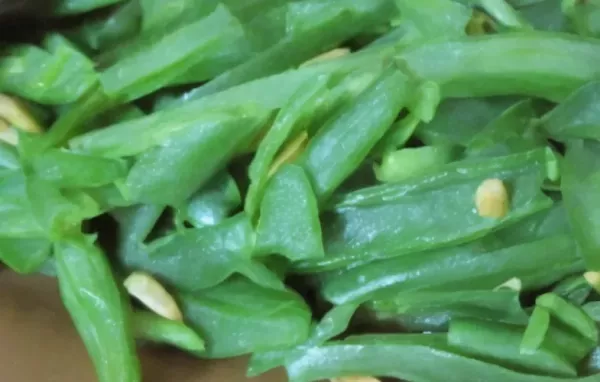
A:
{"points": [[355, 379], [13, 112], [8, 134], [491, 199], [149, 291], [513, 284], [290, 152], [332, 54], [593, 278]]}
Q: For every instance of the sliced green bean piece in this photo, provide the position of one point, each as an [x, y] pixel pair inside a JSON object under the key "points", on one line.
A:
{"points": [[98, 309], [201, 258], [544, 65], [473, 266], [575, 117], [387, 221], [214, 202], [398, 166], [238, 317], [289, 217], [56, 74], [293, 118], [432, 311], [500, 343], [570, 315], [580, 186], [152, 327], [536, 331], [188, 158], [345, 141]]}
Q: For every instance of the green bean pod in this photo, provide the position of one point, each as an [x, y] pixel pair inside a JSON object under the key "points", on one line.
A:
{"points": [[544, 65], [98, 309]]}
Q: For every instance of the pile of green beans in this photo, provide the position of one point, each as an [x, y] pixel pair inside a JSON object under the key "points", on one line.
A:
{"points": [[351, 188]]}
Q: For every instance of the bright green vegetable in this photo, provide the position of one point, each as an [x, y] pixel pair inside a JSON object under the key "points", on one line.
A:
{"points": [[71, 170], [403, 164], [152, 327], [470, 266], [201, 258], [332, 324], [158, 14], [289, 217], [548, 66], [422, 107], [575, 289], [523, 3], [386, 221], [9, 158], [25, 255], [434, 18], [54, 74], [132, 137], [536, 331], [135, 224], [292, 119], [80, 6], [75, 118], [322, 172], [17, 216], [592, 363], [238, 317], [276, 90], [121, 24], [214, 202], [500, 11], [335, 322], [569, 315], [508, 133], [151, 68], [593, 310], [432, 311], [315, 25], [85, 279], [500, 342], [457, 121], [576, 116], [544, 331], [346, 139], [568, 343], [33, 208], [549, 222], [407, 357], [580, 184], [545, 15], [584, 16], [57, 213], [188, 158], [264, 26]]}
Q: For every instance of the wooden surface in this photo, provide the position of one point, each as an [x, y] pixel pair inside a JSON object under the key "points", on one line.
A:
{"points": [[39, 343]]}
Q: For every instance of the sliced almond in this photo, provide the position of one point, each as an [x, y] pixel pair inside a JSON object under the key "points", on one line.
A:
{"points": [[513, 284], [593, 278], [152, 294], [355, 379], [332, 54], [491, 199], [290, 152], [8, 134], [16, 114]]}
